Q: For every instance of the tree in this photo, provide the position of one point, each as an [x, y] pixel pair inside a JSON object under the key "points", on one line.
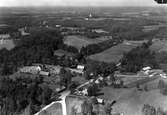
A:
{"points": [[148, 110], [65, 78], [92, 89], [108, 108], [86, 108], [161, 84]]}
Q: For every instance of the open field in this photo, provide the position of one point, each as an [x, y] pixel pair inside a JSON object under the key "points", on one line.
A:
{"points": [[153, 27], [81, 41], [115, 53], [130, 101], [159, 46]]}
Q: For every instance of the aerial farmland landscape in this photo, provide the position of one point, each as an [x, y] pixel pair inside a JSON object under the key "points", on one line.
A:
{"points": [[77, 57]]}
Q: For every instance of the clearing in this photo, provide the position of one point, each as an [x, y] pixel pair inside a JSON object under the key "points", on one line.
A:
{"points": [[81, 41]]}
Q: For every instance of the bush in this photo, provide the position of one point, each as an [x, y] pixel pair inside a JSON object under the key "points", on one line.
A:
{"points": [[148, 110]]}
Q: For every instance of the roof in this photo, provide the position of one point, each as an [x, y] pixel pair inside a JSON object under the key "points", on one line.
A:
{"points": [[146, 68], [61, 53], [44, 73]]}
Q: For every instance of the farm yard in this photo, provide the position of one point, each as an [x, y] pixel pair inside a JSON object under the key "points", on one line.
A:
{"points": [[81, 41], [115, 53]]}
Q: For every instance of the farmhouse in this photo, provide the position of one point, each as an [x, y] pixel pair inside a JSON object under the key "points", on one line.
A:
{"points": [[81, 67], [30, 69], [44, 73]]}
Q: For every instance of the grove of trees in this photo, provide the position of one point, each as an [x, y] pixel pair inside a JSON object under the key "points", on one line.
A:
{"points": [[18, 94], [138, 58], [151, 110], [36, 48]]}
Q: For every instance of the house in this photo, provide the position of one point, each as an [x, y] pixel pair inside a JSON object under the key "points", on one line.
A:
{"points": [[100, 101], [146, 68], [58, 26], [44, 73], [30, 69], [80, 67], [85, 92]]}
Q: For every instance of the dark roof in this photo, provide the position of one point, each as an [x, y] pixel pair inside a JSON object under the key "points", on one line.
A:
{"points": [[61, 53]]}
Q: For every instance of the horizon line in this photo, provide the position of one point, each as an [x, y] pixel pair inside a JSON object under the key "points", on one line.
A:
{"points": [[156, 5]]}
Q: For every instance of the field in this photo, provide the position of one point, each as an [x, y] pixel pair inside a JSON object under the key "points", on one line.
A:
{"points": [[74, 102], [159, 46], [152, 27], [130, 101], [115, 53], [51, 110], [81, 41]]}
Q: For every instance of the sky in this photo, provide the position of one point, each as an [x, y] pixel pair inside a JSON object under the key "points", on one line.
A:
{"points": [[77, 3]]}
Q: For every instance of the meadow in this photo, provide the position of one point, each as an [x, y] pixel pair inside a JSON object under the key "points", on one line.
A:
{"points": [[115, 53], [130, 101], [159, 46]]}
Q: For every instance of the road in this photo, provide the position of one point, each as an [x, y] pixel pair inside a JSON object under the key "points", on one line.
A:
{"points": [[62, 102]]}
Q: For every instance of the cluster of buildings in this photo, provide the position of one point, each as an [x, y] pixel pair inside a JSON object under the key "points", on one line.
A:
{"points": [[4, 36], [47, 70], [147, 71], [41, 69]]}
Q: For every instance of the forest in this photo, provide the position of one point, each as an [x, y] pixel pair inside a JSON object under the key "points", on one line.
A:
{"points": [[36, 48]]}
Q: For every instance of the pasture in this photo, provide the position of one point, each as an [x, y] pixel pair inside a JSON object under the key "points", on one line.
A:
{"points": [[81, 41], [115, 53], [130, 101]]}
